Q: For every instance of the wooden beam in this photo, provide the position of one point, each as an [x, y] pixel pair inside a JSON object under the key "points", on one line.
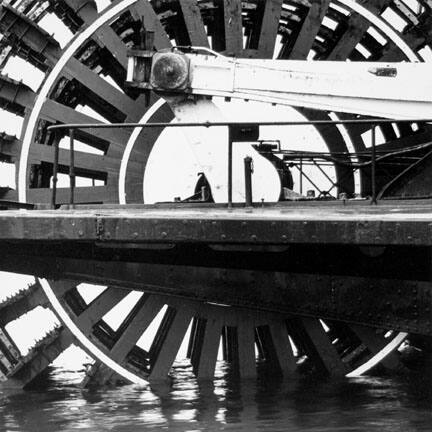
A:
{"points": [[143, 10], [99, 307], [233, 26], [308, 30], [85, 9], [107, 38], [130, 330], [15, 96], [10, 147], [7, 194], [74, 69], [209, 348], [325, 352], [93, 163], [169, 345], [56, 112], [357, 27], [21, 303], [196, 340], [87, 194], [282, 347], [63, 286], [194, 23], [140, 318], [246, 348], [12, 351], [26, 35], [269, 28], [192, 338], [7, 357]]}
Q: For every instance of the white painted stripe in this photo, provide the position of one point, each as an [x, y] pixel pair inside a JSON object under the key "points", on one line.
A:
{"points": [[380, 356], [82, 338], [48, 84], [128, 150]]}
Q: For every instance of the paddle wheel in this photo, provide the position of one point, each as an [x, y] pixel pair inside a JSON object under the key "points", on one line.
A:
{"points": [[275, 304]]}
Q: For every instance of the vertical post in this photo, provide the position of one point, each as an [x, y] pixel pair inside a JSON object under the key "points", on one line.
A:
{"points": [[72, 166], [373, 174], [301, 176], [230, 156], [55, 168], [248, 180]]}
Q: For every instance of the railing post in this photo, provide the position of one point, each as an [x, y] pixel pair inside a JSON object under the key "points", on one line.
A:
{"points": [[301, 176], [248, 180], [72, 166], [55, 168], [373, 170], [230, 156]]}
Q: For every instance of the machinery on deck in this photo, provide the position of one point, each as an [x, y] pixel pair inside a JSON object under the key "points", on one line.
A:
{"points": [[331, 287]]}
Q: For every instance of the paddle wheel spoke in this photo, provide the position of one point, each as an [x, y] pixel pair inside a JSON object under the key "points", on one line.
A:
{"points": [[299, 47], [356, 27], [206, 347], [318, 347], [194, 24], [167, 342]]}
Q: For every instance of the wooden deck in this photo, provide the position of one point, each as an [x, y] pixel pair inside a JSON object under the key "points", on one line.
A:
{"points": [[389, 223]]}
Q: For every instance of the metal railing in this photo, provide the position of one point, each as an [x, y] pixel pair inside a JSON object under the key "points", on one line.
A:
{"points": [[72, 127]]}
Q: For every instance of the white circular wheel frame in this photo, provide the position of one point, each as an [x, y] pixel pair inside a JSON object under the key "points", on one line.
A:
{"points": [[77, 41]]}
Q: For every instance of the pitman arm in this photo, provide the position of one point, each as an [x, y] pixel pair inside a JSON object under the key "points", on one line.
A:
{"points": [[391, 90]]}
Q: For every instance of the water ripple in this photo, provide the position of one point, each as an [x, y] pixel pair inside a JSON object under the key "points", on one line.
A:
{"points": [[363, 404]]}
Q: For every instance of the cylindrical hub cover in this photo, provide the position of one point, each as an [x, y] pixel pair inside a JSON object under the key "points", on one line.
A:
{"points": [[170, 71]]}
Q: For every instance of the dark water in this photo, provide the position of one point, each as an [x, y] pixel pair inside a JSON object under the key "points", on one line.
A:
{"points": [[366, 404]]}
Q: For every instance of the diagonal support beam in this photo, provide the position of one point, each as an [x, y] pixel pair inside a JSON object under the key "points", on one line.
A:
{"points": [[99, 307]]}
